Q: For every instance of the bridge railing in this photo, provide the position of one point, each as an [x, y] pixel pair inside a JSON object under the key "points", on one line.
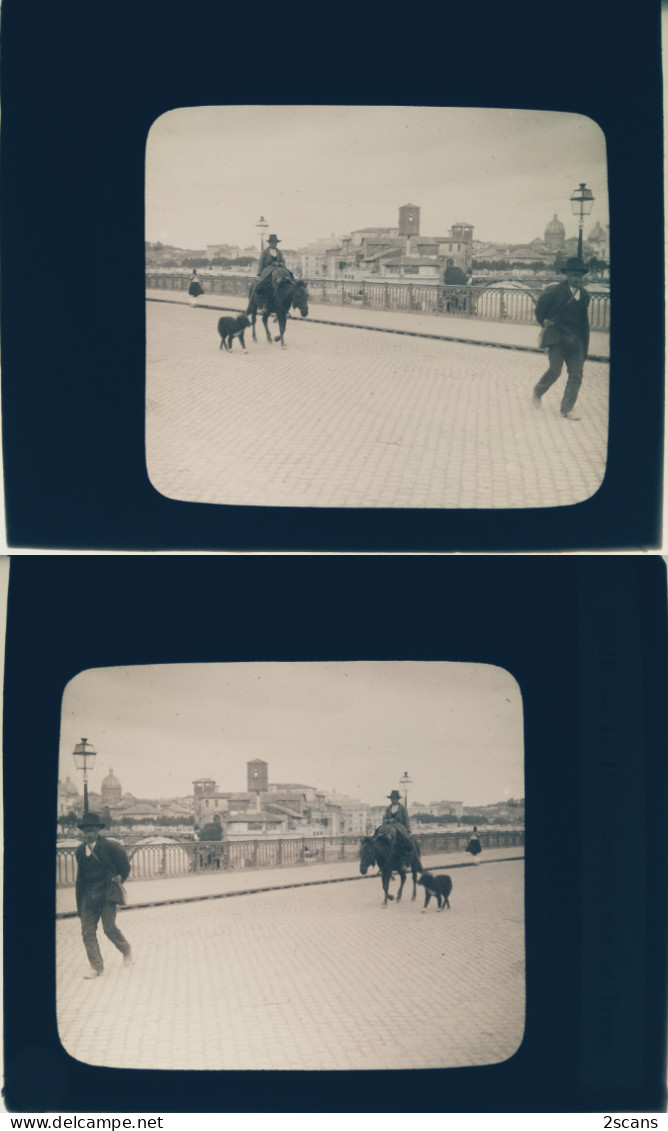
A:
{"points": [[155, 861], [494, 304]]}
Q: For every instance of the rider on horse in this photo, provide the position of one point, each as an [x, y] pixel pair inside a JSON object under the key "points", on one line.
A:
{"points": [[395, 819], [271, 257]]}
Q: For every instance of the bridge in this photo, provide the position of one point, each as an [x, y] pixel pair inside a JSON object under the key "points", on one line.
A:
{"points": [[302, 968], [364, 408]]}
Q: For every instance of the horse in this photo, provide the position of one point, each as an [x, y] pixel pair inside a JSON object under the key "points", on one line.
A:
{"points": [[385, 850], [284, 293]]}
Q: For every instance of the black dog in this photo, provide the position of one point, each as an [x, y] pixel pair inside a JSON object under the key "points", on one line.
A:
{"points": [[231, 328], [440, 886]]}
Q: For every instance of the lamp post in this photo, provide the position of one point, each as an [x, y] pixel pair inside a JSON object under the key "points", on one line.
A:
{"points": [[84, 759], [262, 226], [405, 782], [582, 202]]}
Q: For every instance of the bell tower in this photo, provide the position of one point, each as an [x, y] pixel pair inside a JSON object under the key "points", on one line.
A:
{"points": [[409, 220], [257, 776]]}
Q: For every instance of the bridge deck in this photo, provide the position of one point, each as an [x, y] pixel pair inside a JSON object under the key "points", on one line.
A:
{"points": [[313, 978], [347, 418]]}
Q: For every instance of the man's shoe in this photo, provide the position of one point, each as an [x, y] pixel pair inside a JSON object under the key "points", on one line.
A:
{"points": [[128, 958], [535, 400], [93, 973], [570, 415]]}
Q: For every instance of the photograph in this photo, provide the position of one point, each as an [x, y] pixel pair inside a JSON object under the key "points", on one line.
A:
{"points": [[331, 822], [255, 861], [377, 307]]}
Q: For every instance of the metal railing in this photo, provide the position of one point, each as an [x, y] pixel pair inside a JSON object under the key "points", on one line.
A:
{"points": [[155, 861], [494, 304]]}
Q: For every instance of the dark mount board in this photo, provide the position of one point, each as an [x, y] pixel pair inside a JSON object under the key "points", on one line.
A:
{"points": [[584, 637], [81, 86]]}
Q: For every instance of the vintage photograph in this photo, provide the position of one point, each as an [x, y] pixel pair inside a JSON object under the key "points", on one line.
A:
{"points": [[377, 307], [291, 866]]}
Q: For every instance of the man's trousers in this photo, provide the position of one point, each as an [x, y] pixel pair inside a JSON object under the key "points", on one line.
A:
{"points": [[568, 349], [91, 913]]}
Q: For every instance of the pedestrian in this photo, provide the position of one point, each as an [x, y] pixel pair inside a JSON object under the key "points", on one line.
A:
{"points": [[271, 257], [99, 860], [195, 289], [562, 312], [473, 845]]}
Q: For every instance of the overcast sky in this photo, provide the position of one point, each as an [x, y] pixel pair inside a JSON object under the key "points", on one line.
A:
{"points": [[313, 171], [350, 727]]}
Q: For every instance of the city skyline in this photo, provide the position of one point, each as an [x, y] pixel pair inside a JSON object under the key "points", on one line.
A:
{"points": [[351, 728], [211, 172]]}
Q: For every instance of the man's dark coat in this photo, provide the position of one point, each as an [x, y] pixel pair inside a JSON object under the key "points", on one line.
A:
{"points": [[269, 260], [110, 854], [552, 304]]}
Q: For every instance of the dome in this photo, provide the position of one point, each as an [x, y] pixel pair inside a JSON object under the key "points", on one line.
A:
{"points": [[555, 227], [111, 782]]}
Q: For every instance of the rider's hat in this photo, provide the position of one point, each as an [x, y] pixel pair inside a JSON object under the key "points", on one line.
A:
{"points": [[274, 238], [395, 793]]}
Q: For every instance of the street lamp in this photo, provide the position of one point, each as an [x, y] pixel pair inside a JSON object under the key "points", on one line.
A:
{"points": [[405, 782], [582, 202], [84, 759], [262, 226]]}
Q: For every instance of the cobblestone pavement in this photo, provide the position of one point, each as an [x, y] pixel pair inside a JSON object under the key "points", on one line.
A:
{"points": [[313, 978], [346, 417]]}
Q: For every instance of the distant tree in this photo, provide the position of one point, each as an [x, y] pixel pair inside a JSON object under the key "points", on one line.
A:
{"points": [[211, 831], [243, 261], [68, 820], [454, 276]]}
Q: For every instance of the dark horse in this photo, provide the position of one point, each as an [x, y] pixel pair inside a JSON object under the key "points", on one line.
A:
{"points": [[283, 292], [391, 855]]}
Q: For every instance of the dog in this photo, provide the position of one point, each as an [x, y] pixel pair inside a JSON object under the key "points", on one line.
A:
{"points": [[440, 886], [231, 328]]}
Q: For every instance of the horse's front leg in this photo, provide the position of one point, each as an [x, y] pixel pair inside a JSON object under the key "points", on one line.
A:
{"points": [[402, 876], [265, 319], [281, 327], [386, 877], [253, 317]]}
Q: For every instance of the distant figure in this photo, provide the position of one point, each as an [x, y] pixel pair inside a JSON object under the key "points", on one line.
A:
{"points": [[195, 288], [473, 845], [271, 257], [98, 860], [562, 312]]}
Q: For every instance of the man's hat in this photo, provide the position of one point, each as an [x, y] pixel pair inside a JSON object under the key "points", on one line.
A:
{"points": [[274, 238], [91, 821], [574, 267], [393, 794]]}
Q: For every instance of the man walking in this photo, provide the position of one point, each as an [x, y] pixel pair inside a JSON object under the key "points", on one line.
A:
{"points": [[562, 312], [98, 861]]}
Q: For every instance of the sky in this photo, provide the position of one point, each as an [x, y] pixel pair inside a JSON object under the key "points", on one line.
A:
{"points": [[353, 728], [314, 171]]}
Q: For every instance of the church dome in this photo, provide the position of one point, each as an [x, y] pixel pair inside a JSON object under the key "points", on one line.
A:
{"points": [[555, 227], [111, 788]]}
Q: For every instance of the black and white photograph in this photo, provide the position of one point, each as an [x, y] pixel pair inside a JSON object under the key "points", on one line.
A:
{"points": [[397, 307], [291, 866]]}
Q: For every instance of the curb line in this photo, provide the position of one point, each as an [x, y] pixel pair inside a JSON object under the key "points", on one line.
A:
{"points": [[385, 330], [279, 887]]}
